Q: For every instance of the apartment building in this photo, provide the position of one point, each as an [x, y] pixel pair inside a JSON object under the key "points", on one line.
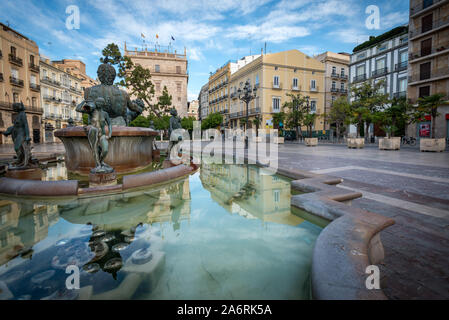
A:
{"points": [[384, 57], [78, 69], [192, 110], [61, 92], [19, 82], [429, 61], [276, 75], [167, 70], [335, 78], [203, 98], [219, 90]]}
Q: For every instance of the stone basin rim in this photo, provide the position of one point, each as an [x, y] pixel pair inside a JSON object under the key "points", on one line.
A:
{"points": [[117, 131]]}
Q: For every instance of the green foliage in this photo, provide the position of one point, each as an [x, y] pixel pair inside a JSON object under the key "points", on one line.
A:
{"points": [[141, 122], [394, 117], [137, 80], [429, 106], [85, 119], [368, 100], [297, 109], [387, 35], [278, 118], [213, 120], [160, 123], [187, 123], [339, 114]]}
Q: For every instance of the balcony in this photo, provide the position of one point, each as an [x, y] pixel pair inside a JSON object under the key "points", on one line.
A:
{"points": [[313, 89], [276, 85], [429, 28], [35, 87], [296, 88], [415, 57], [253, 111], [361, 77], [343, 77], [343, 91], [16, 82], [34, 67], [400, 94], [401, 66], [433, 75], [423, 6], [335, 75], [379, 72], [334, 90], [15, 60], [48, 80]]}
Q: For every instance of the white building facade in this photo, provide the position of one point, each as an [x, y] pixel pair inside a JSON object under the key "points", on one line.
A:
{"points": [[382, 58]]}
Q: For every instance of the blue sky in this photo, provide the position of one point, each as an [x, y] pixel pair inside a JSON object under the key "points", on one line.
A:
{"points": [[212, 31]]}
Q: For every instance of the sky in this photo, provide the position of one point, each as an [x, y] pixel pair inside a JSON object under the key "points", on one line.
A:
{"points": [[212, 31]]}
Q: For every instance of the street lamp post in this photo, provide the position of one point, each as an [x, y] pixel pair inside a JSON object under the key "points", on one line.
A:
{"points": [[246, 96]]}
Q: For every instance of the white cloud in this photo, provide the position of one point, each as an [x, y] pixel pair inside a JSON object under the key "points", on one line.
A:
{"points": [[195, 54], [393, 19]]}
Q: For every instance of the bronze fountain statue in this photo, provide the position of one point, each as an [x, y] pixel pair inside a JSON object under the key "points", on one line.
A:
{"points": [[20, 134]]}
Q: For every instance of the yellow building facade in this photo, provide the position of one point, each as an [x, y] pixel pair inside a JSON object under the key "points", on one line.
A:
{"points": [[276, 75], [219, 89]]}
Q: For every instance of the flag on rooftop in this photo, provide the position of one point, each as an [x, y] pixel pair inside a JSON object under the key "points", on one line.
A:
{"points": [[142, 35]]}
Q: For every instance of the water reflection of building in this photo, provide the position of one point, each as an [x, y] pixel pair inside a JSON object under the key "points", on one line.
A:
{"points": [[169, 203], [249, 191], [56, 172], [22, 226]]}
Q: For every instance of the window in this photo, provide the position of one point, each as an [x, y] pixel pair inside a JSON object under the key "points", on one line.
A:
{"points": [[178, 69], [360, 70], [276, 104], [382, 47], [178, 87], [424, 91], [276, 195], [342, 86], [380, 64], [33, 79], [13, 51], [342, 72], [403, 85], [15, 97], [427, 23], [257, 79], [313, 106], [334, 85], [334, 70], [424, 71], [426, 47], [32, 60], [361, 56], [312, 84], [15, 73], [295, 83], [157, 68], [403, 57], [276, 81]]}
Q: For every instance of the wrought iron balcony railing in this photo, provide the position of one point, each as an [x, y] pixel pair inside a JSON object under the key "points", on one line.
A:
{"points": [[401, 66], [15, 60], [379, 72], [34, 67], [35, 87], [360, 77], [16, 82]]}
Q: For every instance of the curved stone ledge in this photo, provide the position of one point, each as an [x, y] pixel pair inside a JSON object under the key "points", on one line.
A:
{"points": [[350, 243], [38, 188], [55, 189], [155, 177]]}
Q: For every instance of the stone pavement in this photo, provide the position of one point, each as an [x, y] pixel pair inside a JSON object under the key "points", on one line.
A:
{"points": [[409, 186]]}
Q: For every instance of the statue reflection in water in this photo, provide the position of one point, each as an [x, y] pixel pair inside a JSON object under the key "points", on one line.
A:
{"points": [[116, 241]]}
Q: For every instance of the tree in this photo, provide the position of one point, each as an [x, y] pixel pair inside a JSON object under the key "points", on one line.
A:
{"points": [[187, 123], [429, 105], [297, 109], [394, 117], [140, 121], [257, 121], [137, 80], [309, 121], [213, 120], [339, 114], [367, 101]]}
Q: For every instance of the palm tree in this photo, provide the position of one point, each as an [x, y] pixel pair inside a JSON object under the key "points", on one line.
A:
{"points": [[429, 105]]}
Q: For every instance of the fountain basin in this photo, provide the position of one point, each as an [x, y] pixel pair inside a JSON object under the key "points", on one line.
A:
{"points": [[130, 149]]}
